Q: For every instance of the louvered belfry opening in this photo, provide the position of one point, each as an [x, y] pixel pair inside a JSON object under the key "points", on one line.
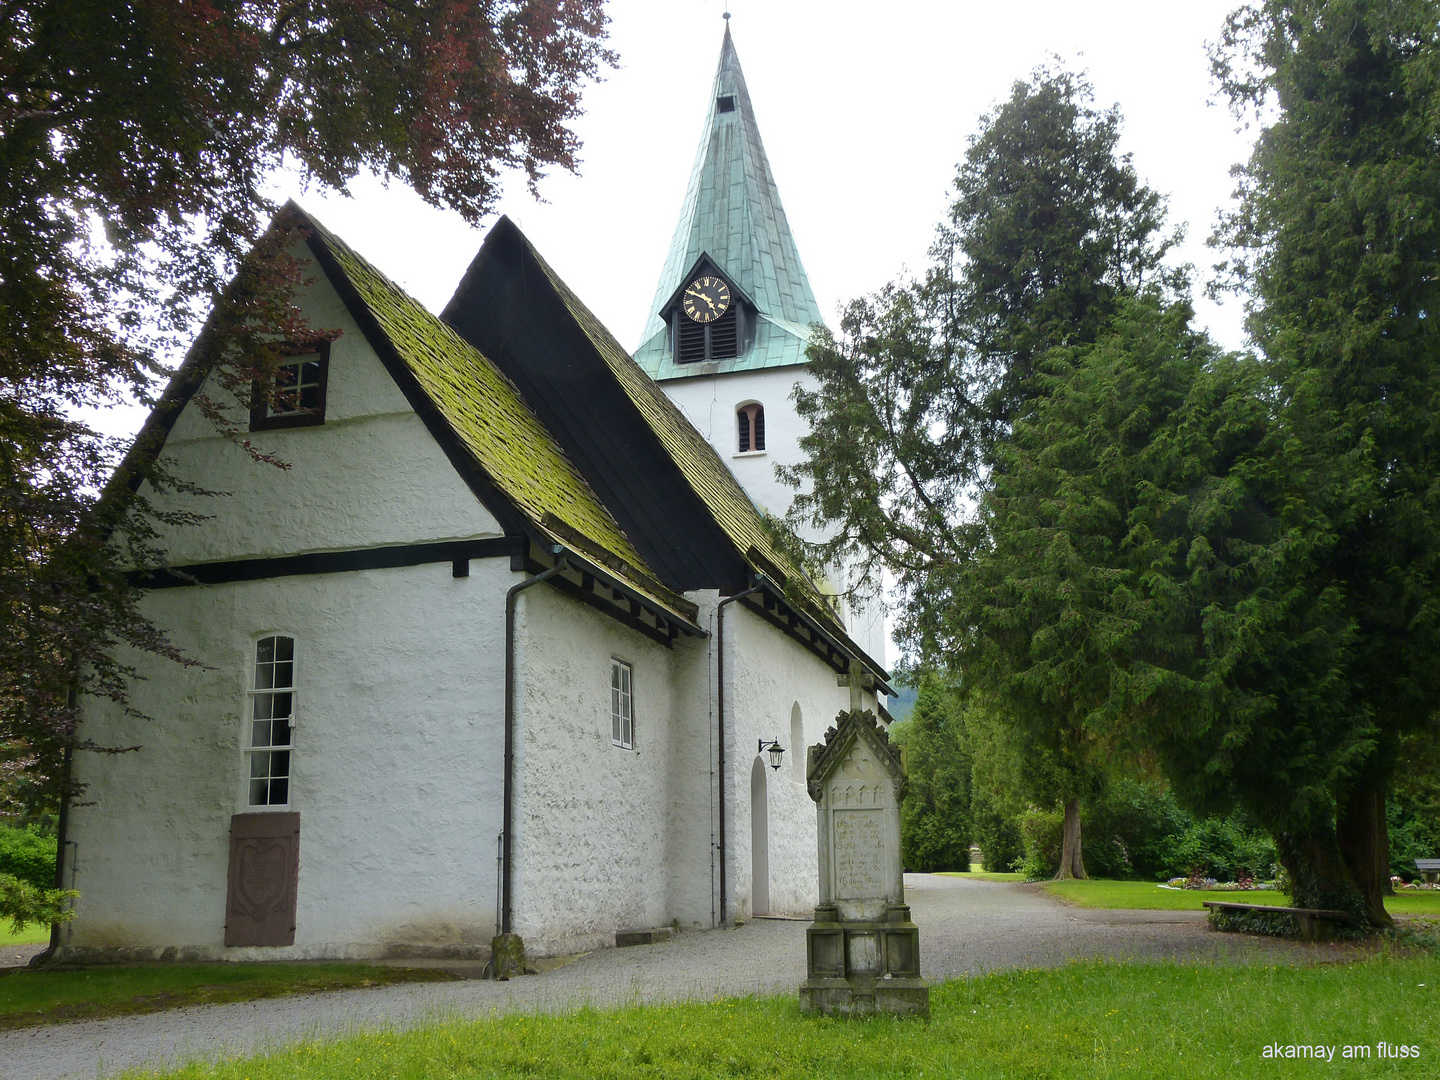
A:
{"points": [[725, 335], [691, 348], [698, 342]]}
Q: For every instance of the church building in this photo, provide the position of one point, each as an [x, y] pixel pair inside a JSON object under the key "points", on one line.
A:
{"points": [[507, 645]]}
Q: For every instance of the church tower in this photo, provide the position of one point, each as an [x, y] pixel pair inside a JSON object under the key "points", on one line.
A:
{"points": [[731, 318]]}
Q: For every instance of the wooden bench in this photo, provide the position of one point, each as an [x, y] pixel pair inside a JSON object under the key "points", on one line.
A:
{"points": [[1429, 869], [1314, 924]]}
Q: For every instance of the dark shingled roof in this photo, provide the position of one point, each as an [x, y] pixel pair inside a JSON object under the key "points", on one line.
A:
{"points": [[501, 300]]}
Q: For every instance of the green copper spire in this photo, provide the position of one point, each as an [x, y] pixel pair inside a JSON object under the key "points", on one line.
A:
{"points": [[732, 214]]}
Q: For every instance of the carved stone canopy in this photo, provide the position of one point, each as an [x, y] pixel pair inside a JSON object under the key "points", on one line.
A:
{"points": [[824, 758]]}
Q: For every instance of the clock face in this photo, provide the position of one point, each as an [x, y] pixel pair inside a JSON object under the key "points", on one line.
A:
{"points": [[706, 299]]}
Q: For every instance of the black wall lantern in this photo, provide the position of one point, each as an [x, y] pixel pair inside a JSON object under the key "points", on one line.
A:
{"points": [[774, 749]]}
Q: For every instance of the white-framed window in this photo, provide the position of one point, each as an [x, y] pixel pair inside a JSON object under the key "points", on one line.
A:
{"points": [[622, 704], [272, 720]]}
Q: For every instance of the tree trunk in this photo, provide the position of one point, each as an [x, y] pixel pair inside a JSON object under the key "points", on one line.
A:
{"points": [[1318, 873], [1072, 865], [1364, 841]]}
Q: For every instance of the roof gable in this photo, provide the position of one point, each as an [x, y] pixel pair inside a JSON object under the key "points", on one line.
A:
{"points": [[507, 305], [477, 403], [478, 417]]}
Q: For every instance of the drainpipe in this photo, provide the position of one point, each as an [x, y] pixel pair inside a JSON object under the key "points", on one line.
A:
{"points": [[720, 722], [507, 828]]}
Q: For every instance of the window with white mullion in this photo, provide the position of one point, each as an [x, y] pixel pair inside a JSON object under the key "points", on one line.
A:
{"points": [[272, 718], [622, 705]]}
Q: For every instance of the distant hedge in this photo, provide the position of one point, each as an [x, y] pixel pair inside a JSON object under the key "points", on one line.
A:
{"points": [[29, 855]]}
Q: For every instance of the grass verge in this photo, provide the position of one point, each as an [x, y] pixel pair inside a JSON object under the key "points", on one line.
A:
{"points": [[28, 998], [1085, 1020], [1146, 895], [976, 874], [31, 935]]}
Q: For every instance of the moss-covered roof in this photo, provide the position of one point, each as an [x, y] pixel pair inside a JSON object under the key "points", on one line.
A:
{"points": [[701, 466], [492, 421]]}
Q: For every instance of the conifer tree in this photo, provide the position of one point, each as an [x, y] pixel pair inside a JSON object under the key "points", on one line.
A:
{"points": [[1337, 238], [1050, 230]]}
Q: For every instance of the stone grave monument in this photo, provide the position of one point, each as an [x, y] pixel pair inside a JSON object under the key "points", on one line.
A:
{"points": [[862, 950]]}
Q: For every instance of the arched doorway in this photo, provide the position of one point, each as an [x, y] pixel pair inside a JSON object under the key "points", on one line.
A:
{"points": [[759, 841]]}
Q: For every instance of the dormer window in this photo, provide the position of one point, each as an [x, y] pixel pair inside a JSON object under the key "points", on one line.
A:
{"points": [[750, 420], [725, 103], [297, 396], [708, 320]]}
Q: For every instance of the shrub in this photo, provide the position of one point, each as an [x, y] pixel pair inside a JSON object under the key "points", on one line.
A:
{"points": [[1221, 848], [999, 838], [1129, 830], [1043, 832], [29, 855]]}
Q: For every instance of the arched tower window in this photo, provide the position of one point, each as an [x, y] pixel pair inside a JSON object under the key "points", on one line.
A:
{"points": [[750, 420]]}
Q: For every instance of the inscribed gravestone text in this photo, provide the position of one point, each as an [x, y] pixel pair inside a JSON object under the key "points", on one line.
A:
{"points": [[859, 852]]}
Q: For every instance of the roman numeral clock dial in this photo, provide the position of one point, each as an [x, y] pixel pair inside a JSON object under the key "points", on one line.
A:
{"points": [[706, 299]]}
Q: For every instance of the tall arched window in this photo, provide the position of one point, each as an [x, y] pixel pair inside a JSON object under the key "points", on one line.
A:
{"points": [[272, 712], [751, 421]]}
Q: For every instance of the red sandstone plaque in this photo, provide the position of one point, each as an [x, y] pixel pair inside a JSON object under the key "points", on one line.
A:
{"points": [[264, 863]]}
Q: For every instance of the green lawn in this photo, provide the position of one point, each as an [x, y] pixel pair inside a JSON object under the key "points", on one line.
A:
{"points": [[1086, 1020], [1100, 893], [31, 935], [29, 997], [980, 875], [1146, 895], [1413, 903]]}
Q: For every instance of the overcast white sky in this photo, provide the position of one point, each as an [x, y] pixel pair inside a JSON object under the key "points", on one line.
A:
{"points": [[865, 109]]}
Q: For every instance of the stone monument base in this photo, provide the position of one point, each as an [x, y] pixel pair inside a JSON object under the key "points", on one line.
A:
{"points": [[865, 997], [859, 968]]}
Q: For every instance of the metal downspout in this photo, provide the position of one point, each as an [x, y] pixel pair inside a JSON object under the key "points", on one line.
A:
{"points": [[507, 826], [720, 723]]}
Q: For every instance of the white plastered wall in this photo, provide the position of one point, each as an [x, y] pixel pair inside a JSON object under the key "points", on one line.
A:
{"points": [[592, 824], [398, 723], [396, 767], [767, 674], [710, 403]]}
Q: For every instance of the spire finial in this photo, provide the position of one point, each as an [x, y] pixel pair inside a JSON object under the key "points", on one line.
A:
{"points": [[726, 17]]}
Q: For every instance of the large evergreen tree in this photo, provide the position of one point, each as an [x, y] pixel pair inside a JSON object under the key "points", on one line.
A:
{"points": [[1338, 239], [1050, 231]]}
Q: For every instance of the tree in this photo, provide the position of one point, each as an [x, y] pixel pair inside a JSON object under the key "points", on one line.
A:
{"points": [[1337, 237], [1149, 572], [935, 820], [136, 140], [1050, 230]]}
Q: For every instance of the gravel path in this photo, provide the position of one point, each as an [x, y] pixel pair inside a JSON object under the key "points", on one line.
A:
{"points": [[966, 927]]}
